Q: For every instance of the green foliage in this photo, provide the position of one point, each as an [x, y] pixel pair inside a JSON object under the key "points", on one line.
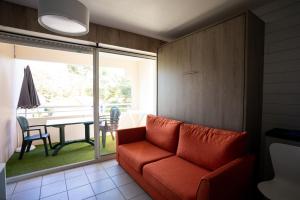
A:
{"points": [[63, 84], [114, 87], [73, 85], [81, 71]]}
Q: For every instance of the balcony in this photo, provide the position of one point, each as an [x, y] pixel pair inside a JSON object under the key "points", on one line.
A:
{"points": [[65, 83], [74, 153]]}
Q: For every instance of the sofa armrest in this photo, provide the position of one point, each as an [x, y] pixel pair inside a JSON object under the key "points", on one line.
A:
{"points": [[231, 181], [125, 136]]}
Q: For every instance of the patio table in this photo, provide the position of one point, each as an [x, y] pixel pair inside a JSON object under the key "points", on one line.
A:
{"points": [[61, 123]]}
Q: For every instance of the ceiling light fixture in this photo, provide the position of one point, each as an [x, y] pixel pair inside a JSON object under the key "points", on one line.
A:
{"points": [[67, 17]]}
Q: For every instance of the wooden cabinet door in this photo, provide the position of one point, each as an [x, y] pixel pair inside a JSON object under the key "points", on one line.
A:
{"points": [[172, 61], [201, 77]]}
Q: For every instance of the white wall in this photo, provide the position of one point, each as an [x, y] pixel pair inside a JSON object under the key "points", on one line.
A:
{"points": [[10, 83], [147, 82], [52, 55]]}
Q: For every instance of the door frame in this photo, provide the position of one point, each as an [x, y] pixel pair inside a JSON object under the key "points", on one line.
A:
{"points": [[74, 46], [96, 94]]}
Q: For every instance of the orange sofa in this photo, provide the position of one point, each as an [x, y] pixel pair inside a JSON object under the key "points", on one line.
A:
{"points": [[176, 161]]}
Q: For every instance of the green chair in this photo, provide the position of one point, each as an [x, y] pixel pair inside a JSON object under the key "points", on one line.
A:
{"points": [[109, 123], [28, 138]]}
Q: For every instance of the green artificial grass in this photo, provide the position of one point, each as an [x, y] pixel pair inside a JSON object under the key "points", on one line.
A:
{"points": [[36, 160]]}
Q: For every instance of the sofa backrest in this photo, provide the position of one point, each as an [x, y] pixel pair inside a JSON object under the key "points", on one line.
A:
{"points": [[163, 132], [208, 147]]}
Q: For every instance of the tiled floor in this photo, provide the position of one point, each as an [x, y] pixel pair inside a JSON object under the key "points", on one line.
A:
{"points": [[103, 181]]}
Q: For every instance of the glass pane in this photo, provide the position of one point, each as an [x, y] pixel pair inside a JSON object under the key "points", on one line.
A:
{"points": [[64, 84], [127, 89]]}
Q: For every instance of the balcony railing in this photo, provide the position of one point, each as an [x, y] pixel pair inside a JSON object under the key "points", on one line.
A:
{"points": [[62, 111]]}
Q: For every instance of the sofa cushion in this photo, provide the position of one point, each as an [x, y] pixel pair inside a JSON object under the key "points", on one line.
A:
{"points": [[208, 147], [138, 154], [174, 178], [163, 132]]}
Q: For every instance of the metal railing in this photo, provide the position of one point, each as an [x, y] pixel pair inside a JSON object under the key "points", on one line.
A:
{"points": [[62, 111]]}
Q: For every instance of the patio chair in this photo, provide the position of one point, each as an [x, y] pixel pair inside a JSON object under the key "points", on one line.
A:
{"points": [[28, 138], [109, 123]]}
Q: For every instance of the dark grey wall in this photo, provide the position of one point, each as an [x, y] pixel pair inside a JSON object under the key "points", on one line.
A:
{"points": [[281, 91], [281, 87]]}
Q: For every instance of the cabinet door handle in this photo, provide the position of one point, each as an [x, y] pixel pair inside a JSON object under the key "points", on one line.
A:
{"points": [[190, 73]]}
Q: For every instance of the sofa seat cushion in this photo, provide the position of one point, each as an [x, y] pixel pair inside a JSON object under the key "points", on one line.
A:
{"points": [[163, 132], [209, 147], [138, 154], [174, 178]]}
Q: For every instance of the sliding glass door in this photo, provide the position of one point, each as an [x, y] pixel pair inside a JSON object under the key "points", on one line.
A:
{"points": [[86, 94], [127, 93], [63, 79]]}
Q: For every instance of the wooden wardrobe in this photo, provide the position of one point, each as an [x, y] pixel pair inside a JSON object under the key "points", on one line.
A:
{"points": [[213, 76]]}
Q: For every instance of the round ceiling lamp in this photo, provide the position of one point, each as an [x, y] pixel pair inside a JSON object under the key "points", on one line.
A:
{"points": [[67, 17]]}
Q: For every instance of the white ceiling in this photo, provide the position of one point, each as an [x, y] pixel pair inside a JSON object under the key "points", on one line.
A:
{"points": [[162, 19]]}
